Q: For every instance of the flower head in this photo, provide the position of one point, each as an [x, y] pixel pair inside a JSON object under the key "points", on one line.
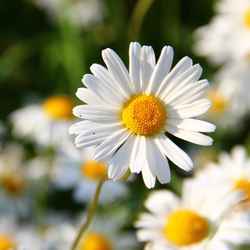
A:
{"points": [[201, 219], [129, 115]]}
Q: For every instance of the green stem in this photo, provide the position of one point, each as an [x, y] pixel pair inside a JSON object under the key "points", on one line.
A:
{"points": [[90, 215], [138, 15]]}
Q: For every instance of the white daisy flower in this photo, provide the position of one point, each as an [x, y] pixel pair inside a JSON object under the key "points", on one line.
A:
{"points": [[13, 180], [230, 97], [200, 220], [103, 234], [232, 172], [79, 170], [106, 234], [83, 13], [227, 37], [45, 123], [15, 236], [128, 113]]}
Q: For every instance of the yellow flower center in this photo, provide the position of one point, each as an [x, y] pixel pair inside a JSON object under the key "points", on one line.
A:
{"points": [[6, 243], [247, 18], [219, 102], [13, 184], [144, 115], [95, 241], [243, 185], [185, 227], [59, 107], [94, 170]]}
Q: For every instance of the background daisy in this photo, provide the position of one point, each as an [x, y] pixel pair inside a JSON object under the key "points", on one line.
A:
{"points": [[227, 36], [231, 172], [83, 13], [78, 170], [201, 219], [45, 123]]}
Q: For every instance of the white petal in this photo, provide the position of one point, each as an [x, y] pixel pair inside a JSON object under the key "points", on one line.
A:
{"points": [[79, 127], [215, 245], [149, 221], [192, 125], [193, 94], [239, 154], [157, 163], [161, 69], [104, 91], [88, 96], [193, 109], [194, 137], [119, 163], [96, 113], [226, 204], [174, 153], [169, 81], [162, 202], [136, 161], [147, 65], [148, 177], [117, 69], [158, 246], [111, 144], [91, 128], [148, 235], [134, 64], [104, 76], [83, 140], [185, 84]]}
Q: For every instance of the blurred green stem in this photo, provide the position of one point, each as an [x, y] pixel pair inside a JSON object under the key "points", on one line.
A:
{"points": [[90, 215], [138, 15]]}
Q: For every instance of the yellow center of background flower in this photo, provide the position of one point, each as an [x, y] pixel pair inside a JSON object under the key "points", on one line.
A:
{"points": [[243, 185], [94, 170], [59, 107], [144, 115], [247, 18], [13, 184], [185, 227], [95, 241], [219, 102], [6, 243]]}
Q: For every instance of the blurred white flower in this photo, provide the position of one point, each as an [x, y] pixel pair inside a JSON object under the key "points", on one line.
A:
{"points": [[46, 123], [128, 114], [202, 219], [230, 97], [13, 181], [60, 233], [57, 231], [232, 172], [83, 13], [227, 37], [15, 236], [79, 170]]}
